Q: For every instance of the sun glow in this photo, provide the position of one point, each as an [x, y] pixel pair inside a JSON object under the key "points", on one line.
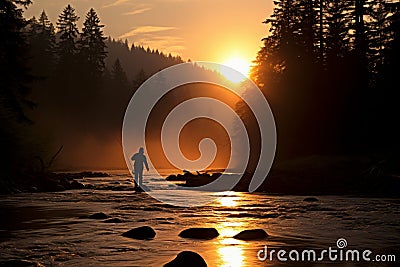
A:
{"points": [[237, 64]]}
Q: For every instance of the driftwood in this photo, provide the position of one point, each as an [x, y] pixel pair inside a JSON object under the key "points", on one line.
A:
{"points": [[53, 158]]}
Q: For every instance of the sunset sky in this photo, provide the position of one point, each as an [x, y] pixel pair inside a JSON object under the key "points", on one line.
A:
{"points": [[201, 30]]}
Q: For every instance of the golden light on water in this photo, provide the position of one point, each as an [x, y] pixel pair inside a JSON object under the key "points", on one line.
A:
{"points": [[228, 201], [228, 229], [231, 256], [231, 251]]}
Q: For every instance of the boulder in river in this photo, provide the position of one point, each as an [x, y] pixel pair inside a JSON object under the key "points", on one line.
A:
{"points": [[98, 216], [187, 258], [310, 199], [20, 263], [143, 232], [77, 185], [89, 186], [199, 233], [253, 234]]}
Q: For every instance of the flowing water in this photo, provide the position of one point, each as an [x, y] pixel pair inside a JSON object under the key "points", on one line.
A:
{"points": [[48, 228]]}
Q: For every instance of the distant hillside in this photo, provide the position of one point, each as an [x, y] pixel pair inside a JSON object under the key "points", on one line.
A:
{"points": [[135, 59]]}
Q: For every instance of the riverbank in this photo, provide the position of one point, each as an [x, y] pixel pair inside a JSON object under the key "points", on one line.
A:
{"points": [[48, 182], [316, 175]]}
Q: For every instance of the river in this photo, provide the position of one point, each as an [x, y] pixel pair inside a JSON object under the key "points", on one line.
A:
{"points": [[48, 228]]}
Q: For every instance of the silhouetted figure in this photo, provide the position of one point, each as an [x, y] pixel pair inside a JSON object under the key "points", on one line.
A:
{"points": [[139, 159]]}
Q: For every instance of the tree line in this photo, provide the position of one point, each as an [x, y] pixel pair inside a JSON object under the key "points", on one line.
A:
{"points": [[61, 86], [330, 70]]}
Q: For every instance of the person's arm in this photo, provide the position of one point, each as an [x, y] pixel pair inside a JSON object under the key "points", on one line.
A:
{"points": [[145, 163]]}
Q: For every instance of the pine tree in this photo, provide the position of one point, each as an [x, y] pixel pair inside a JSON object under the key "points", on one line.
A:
{"points": [[279, 38], [68, 32], [14, 88], [321, 43], [118, 74], [31, 27], [267, 66], [14, 74], [140, 78], [43, 44], [92, 45], [336, 29], [388, 82], [47, 30], [119, 90], [359, 28], [393, 33]]}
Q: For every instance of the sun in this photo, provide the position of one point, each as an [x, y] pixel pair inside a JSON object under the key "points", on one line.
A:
{"points": [[237, 64]]}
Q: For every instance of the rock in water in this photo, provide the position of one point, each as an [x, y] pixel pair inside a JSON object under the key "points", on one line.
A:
{"points": [[98, 216], [187, 258], [199, 233], [251, 234], [20, 263], [310, 199], [143, 232], [77, 185]]}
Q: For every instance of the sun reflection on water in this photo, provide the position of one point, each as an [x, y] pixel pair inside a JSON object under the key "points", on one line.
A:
{"points": [[228, 229], [229, 199], [231, 256], [230, 251]]}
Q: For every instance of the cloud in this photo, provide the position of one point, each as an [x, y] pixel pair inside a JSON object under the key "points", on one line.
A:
{"points": [[138, 11], [116, 3], [145, 30], [156, 37]]}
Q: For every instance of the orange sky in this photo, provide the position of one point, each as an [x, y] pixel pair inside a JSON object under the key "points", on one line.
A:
{"points": [[202, 30]]}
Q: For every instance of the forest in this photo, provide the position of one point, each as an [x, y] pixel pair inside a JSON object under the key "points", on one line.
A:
{"points": [[64, 89], [330, 70]]}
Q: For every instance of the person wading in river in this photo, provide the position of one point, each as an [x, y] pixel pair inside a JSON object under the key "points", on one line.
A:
{"points": [[139, 160]]}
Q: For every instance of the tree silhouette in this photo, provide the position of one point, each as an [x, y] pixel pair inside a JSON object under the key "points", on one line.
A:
{"points": [[81, 88], [140, 78], [68, 32], [118, 76], [92, 45], [337, 27], [14, 75], [14, 88], [43, 44], [329, 62], [377, 35], [388, 82]]}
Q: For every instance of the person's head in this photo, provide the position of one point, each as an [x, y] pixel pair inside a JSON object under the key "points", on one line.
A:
{"points": [[141, 150]]}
